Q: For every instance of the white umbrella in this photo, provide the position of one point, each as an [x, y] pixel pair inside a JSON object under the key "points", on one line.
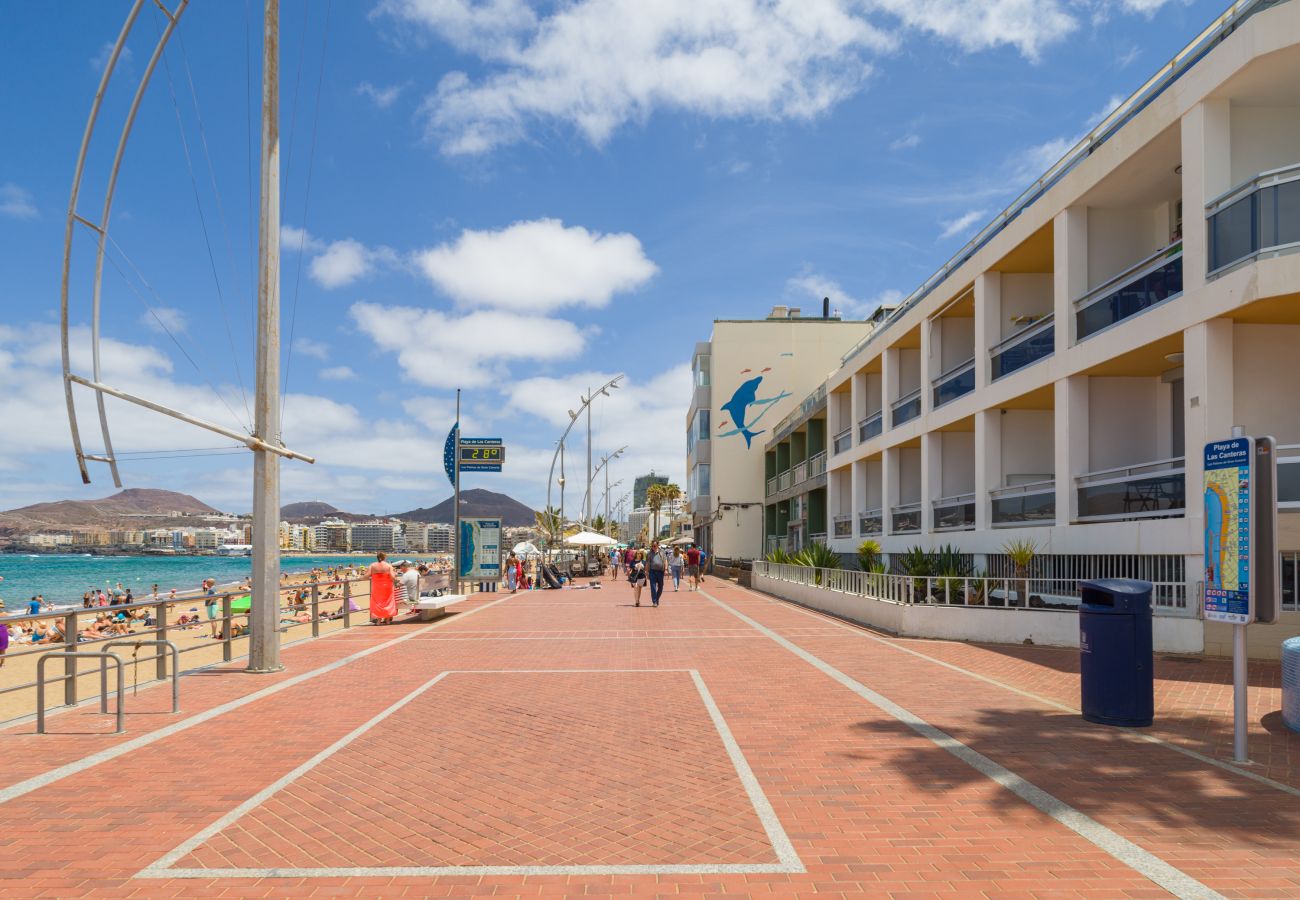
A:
{"points": [[525, 548], [590, 539], [682, 541]]}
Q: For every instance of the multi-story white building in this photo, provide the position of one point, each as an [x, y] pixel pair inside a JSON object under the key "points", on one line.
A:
{"points": [[375, 536], [1055, 382], [332, 535], [747, 376], [437, 538]]}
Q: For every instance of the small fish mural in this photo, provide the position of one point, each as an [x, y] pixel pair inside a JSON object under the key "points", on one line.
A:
{"points": [[740, 407]]}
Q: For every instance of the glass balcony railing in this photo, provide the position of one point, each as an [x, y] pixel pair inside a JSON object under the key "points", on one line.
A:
{"points": [[1288, 476], [906, 408], [871, 522], [843, 440], [1259, 216], [871, 426], [955, 513], [905, 518], [1151, 282], [1024, 504], [1144, 491], [955, 383], [843, 526], [1035, 341]]}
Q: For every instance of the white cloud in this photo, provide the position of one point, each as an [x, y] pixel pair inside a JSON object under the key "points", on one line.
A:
{"points": [[337, 263], [381, 97], [296, 240], [537, 266], [164, 319], [1028, 25], [16, 202], [961, 224], [314, 349], [816, 286], [100, 59], [469, 345], [906, 143], [338, 373], [599, 64]]}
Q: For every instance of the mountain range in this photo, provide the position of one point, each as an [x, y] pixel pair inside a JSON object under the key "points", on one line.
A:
{"points": [[475, 502], [137, 506]]}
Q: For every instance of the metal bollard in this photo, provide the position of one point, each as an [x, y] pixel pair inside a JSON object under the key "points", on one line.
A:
{"points": [[315, 610], [103, 696], [160, 621], [347, 604]]}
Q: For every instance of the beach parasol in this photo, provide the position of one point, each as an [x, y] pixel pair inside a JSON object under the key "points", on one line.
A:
{"points": [[525, 548], [241, 604], [590, 539], [682, 541]]}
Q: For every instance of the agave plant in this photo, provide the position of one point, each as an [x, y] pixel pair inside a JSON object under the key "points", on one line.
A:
{"points": [[1021, 553], [868, 555], [818, 556], [917, 561], [780, 556]]}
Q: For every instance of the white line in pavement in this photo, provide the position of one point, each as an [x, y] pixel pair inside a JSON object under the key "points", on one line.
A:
{"points": [[1126, 734], [1172, 879], [35, 783]]}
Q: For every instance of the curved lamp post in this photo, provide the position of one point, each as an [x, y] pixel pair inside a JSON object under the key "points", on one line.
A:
{"points": [[573, 418], [604, 460]]}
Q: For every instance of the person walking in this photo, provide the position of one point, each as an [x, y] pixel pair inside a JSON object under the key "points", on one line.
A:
{"points": [[383, 598], [512, 572], [656, 568], [675, 567], [637, 575], [693, 566]]}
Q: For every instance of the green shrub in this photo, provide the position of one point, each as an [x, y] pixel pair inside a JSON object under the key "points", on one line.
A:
{"points": [[869, 555], [818, 556]]}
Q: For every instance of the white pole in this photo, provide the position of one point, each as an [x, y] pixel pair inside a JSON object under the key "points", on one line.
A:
{"points": [[264, 615], [455, 504], [1239, 674], [588, 401]]}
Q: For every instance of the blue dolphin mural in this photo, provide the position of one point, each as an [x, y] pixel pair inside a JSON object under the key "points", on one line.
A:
{"points": [[738, 406]]}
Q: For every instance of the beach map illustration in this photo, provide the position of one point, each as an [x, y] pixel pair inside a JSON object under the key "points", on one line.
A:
{"points": [[1227, 531]]}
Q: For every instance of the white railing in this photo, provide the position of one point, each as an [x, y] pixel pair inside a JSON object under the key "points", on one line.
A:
{"points": [[783, 481], [800, 473], [1035, 594], [817, 464], [771, 486]]}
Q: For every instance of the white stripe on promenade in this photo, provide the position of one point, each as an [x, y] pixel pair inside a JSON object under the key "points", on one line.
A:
{"points": [[35, 783], [1172, 879]]}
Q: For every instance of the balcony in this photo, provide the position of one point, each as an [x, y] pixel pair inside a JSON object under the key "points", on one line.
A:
{"points": [[955, 513], [783, 481], [1151, 282], [954, 383], [817, 464], [800, 473], [771, 487], [1035, 341], [1258, 217], [871, 521], [1288, 476], [906, 408], [905, 518], [843, 526], [1151, 490], [871, 426], [1024, 505], [843, 440]]}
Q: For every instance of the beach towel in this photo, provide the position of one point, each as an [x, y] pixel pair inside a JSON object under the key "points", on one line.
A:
{"points": [[383, 601]]}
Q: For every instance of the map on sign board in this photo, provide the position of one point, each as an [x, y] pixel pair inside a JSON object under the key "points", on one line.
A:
{"points": [[480, 549], [1228, 531]]}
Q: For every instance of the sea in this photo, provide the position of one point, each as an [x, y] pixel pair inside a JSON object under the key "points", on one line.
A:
{"points": [[63, 578]]}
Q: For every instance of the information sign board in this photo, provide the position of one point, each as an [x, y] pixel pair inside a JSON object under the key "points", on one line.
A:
{"points": [[481, 454], [480, 548], [1229, 537]]}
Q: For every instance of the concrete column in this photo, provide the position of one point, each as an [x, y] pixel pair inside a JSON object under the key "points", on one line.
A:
{"points": [[931, 360], [988, 464], [888, 385], [1070, 241], [988, 324], [931, 477], [1071, 450], [858, 490], [1208, 403], [857, 391], [1207, 173], [889, 477]]}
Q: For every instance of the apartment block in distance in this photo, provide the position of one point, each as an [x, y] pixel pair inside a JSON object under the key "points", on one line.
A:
{"points": [[1057, 380], [747, 377]]}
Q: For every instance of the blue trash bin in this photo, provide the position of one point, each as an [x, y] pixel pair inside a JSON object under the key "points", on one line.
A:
{"points": [[1116, 678], [1291, 683]]}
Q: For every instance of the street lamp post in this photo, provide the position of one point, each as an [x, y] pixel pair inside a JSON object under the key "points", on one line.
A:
{"points": [[604, 464], [573, 418]]}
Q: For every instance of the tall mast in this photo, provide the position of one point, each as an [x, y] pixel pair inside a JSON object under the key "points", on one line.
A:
{"points": [[264, 615]]}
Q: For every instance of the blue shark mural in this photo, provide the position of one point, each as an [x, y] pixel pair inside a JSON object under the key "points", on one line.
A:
{"points": [[740, 408]]}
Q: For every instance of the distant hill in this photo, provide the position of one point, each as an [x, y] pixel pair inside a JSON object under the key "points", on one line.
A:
{"points": [[475, 502], [128, 505], [313, 512]]}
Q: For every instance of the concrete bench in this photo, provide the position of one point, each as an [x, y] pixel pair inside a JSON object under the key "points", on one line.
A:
{"points": [[436, 607]]}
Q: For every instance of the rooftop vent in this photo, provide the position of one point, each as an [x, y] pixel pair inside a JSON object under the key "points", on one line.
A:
{"points": [[794, 312], [778, 312]]}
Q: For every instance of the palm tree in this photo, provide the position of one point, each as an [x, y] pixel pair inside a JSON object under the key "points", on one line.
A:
{"points": [[655, 499], [671, 493], [598, 524], [548, 523]]}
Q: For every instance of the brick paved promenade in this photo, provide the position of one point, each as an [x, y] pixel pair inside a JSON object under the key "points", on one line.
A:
{"points": [[571, 744]]}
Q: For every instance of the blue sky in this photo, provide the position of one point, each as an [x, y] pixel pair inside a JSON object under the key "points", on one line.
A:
{"points": [[519, 199]]}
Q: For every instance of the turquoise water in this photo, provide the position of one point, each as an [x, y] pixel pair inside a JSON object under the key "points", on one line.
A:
{"points": [[64, 578]]}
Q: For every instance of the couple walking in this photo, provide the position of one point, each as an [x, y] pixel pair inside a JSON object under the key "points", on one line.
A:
{"points": [[650, 565]]}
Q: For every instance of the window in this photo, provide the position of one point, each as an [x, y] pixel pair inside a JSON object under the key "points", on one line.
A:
{"points": [[698, 430], [701, 368], [700, 481]]}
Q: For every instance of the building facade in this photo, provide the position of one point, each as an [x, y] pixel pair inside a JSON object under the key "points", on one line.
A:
{"points": [[746, 378], [642, 485], [1056, 381]]}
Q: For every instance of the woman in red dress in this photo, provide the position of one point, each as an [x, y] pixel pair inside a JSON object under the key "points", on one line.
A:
{"points": [[383, 599]]}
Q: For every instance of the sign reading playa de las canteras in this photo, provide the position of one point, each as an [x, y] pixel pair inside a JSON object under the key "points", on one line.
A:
{"points": [[1229, 536], [480, 548], [482, 454]]}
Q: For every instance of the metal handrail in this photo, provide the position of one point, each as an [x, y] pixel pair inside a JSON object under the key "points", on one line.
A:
{"points": [[1166, 75], [954, 500], [1033, 328], [817, 464], [878, 414], [906, 399], [103, 687], [955, 371], [1159, 259], [1249, 186], [906, 507], [1031, 487], [868, 513], [1172, 466], [160, 644]]}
